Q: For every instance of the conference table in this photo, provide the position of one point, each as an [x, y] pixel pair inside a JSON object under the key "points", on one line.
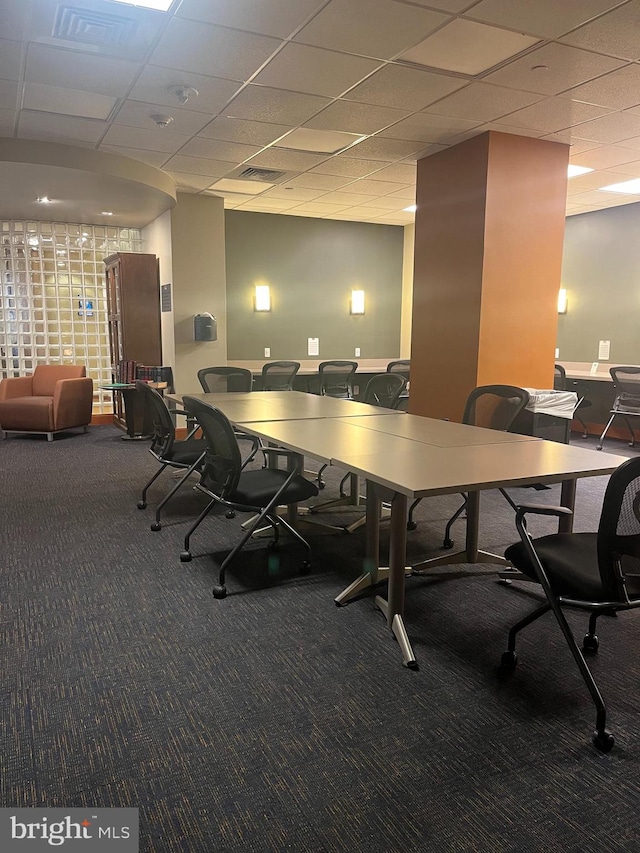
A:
{"points": [[403, 457]]}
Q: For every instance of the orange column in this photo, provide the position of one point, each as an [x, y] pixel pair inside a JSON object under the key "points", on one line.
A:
{"points": [[488, 257]]}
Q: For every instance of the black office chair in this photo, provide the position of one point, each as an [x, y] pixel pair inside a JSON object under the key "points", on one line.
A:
{"points": [[384, 390], [279, 375], [401, 366], [186, 454], [626, 383], [560, 384], [598, 572], [225, 481], [218, 380], [336, 378], [493, 407]]}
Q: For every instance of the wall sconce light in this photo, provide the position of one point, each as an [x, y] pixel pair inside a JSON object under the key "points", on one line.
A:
{"points": [[562, 301], [357, 301], [263, 298]]}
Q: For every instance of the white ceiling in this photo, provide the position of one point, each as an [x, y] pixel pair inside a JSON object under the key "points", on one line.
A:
{"points": [[389, 80]]}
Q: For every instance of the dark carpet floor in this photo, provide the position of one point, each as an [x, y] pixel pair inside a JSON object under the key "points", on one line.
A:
{"points": [[272, 720]]}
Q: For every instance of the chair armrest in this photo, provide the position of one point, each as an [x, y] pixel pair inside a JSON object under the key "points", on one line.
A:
{"points": [[72, 402], [18, 386], [541, 509]]}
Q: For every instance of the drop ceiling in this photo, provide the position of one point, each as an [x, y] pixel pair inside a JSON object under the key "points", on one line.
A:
{"points": [[314, 107]]}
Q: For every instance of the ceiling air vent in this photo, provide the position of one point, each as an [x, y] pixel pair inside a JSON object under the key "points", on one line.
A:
{"points": [[84, 26], [253, 174]]}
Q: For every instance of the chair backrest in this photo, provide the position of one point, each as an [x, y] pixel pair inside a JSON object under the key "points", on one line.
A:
{"points": [[495, 406], [626, 381], [401, 367], [216, 380], [336, 378], [384, 390], [222, 462], [164, 432], [279, 375], [45, 376], [559, 378], [619, 529]]}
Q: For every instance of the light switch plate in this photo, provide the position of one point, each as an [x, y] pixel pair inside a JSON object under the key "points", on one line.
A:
{"points": [[357, 352], [267, 352]]}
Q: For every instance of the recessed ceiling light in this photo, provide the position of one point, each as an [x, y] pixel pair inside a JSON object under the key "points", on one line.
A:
{"points": [[106, 213], [160, 5], [411, 209], [573, 171], [43, 199], [632, 187]]}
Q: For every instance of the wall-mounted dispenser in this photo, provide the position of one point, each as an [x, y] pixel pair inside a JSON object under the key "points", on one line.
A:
{"points": [[205, 327]]}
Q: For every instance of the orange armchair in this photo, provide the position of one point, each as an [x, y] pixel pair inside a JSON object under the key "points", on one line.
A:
{"points": [[54, 398]]}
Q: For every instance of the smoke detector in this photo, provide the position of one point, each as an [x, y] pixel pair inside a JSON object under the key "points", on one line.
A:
{"points": [[184, 93], [162, 121]]}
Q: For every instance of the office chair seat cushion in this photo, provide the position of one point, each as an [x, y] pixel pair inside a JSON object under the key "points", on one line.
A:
{"points": [[256, 488], [25, 413], [570, 561], [627, 403], [186, 452]]}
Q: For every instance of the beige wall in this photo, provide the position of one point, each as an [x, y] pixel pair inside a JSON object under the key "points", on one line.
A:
{"points": [[199, 284], [156, 239]]}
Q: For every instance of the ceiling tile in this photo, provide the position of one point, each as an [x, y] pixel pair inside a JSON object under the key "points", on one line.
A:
{"points": [[370, 213], [604, 157], [615, 33], [407, 88], [301, 68], [392, 150], [153, 158], [9, 91], [34, 125], [453, 6], [424, 127], [282, 158], [369, 186], [400, 173], [318, 141], [597, 197], [198, 166], [546, 18], [468, 47], [554, 114], [386, 202], [259, 103], [611, 128], [7, 121], [213, 51], [151, 140], [618, 90], [560, 67], [318, 207], [275, 18], [139, 114], [355, 118], [154, 83], [294, 193], [217, 149], [379, 28], [10, 59], [409, 194], [195, 182], [313, 181], [272, 204], [349, 166], [15, 16], [70, 102], [73, 70], [483, 102], [592, 181], [631, 169], [239, 130]]}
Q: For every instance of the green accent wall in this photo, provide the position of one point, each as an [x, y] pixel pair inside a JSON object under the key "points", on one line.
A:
{"points": [[601, 271], [311, 267]]}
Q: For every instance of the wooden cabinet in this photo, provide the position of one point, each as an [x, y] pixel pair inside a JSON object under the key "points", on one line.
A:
{"points": [[133, 307]]}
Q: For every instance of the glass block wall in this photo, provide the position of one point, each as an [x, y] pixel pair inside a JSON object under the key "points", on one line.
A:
{"points": [[53, 303]]}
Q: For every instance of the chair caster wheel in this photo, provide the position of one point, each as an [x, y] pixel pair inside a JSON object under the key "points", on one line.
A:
{"points": [[598, 447], [508, 660], [142, 504], [590, 643], [447, 544], [185, 556], [230, 513], [632, 444], [156, 526], [412, 525], [603, 741], [305, 568], [321, 484], [219, 591]]}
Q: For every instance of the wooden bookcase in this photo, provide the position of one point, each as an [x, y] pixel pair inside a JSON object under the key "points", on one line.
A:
{"points": [[133, 308]]}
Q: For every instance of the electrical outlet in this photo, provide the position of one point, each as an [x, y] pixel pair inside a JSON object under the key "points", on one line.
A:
{"points": [[357, 351], [267, 352], [557, 352]]}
